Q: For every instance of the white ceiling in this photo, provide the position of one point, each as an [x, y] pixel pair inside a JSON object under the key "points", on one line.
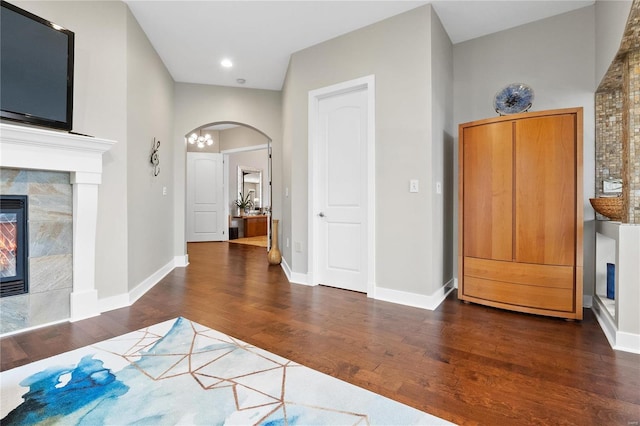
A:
{"points": [[192, 37]]}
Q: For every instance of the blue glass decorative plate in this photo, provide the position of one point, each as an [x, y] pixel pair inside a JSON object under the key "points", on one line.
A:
{"points": [[514, 98]]}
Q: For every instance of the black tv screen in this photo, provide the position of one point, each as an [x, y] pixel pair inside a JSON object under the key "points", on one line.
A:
{"points": [[36, 69]]}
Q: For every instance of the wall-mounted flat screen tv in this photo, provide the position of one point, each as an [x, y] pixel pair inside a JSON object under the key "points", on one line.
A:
{"points": [[36, 69]]}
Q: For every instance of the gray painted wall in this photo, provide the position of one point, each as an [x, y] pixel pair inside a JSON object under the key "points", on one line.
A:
{"points": [[100, 109], [245, 137], [241, 137], [122, 92], [398, 51], [196, 105], [410, 56], [442, 139], [149, 116], [556, 57], [611, 18]]}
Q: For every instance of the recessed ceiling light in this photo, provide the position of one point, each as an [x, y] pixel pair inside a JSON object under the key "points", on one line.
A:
{"points": [[241, 80], [226, 63]]}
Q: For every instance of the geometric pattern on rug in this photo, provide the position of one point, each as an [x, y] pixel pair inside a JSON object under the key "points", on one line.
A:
{"points": [[180, 372]]}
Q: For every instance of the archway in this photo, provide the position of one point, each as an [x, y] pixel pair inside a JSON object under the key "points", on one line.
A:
{"points": [[231, 140]]}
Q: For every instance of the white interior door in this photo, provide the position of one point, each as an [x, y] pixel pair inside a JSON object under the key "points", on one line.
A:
{"points": [[206, 217], [342, 190]]}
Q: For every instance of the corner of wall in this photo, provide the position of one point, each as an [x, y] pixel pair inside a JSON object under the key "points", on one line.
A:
{"points": [[429, 302], [127, 299], [294, 277]]}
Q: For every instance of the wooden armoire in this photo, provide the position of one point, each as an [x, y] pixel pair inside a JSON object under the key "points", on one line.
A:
{"points": [[520, 217]]}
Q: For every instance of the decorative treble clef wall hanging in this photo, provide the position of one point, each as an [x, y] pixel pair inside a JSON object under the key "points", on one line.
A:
{"points": [[155, 157]]}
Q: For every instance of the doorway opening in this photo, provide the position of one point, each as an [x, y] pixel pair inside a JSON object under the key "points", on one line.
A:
{"points": [[231, 171], [342, 185]]}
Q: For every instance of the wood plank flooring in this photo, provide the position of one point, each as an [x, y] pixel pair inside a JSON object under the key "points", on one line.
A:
{"points": [[466, 363], [260, 241]]}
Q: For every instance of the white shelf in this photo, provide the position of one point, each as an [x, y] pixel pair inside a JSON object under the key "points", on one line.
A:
{"points": [[618, 243], [606, 252], [610, 304]]}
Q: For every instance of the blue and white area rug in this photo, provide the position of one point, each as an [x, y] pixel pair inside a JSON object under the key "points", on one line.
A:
{"points": [[180, 372]]}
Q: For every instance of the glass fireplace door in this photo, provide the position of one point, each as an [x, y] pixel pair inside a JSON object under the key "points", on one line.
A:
{"points": [[13, 245]]}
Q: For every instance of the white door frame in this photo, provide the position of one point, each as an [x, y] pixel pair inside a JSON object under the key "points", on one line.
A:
{"points": [[227, 200], [368, 84], [226, 153]]}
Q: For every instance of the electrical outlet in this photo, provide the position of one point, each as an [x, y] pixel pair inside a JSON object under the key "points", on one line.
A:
{"points": [[413, 185], [438, 187], [164, 190], [297, 246], [287, 245]]}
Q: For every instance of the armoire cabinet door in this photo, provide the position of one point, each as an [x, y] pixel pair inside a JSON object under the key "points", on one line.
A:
{"points": [[545, 200], [520, 214], [488, 191]]}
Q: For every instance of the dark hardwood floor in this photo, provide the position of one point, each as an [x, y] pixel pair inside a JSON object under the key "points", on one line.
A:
{"points": [[465, 363]]}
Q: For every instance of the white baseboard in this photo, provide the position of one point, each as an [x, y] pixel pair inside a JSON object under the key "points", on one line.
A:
{"points": [[146, 285], [430, 302], [388, 295], [114, 302], [127, 299], [83, 305], [618, 340], [294, 277], [285, 267], [627, 342], [181, 261], [606, 323]]}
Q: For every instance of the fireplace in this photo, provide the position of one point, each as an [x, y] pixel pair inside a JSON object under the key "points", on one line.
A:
{"points": [[13, 245], [72, 292]]}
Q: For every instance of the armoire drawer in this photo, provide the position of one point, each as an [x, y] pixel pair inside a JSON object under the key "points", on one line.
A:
{"points": [[557, 299], [553, 276]]}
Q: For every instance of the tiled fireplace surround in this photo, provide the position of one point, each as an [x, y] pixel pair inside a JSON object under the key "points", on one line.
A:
{"points": [[60, 173], [50, 248]]}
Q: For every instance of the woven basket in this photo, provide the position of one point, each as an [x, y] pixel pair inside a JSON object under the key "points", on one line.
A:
{"points": [[610, 207]]}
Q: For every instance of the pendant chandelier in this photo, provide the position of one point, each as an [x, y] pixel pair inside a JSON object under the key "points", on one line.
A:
{"points": [[200, 141]]}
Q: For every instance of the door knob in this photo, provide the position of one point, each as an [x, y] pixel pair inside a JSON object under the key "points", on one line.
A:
{"points": [[321, 214]]}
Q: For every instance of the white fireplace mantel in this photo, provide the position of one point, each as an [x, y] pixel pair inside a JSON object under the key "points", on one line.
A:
{"points": [[33, 148]]}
